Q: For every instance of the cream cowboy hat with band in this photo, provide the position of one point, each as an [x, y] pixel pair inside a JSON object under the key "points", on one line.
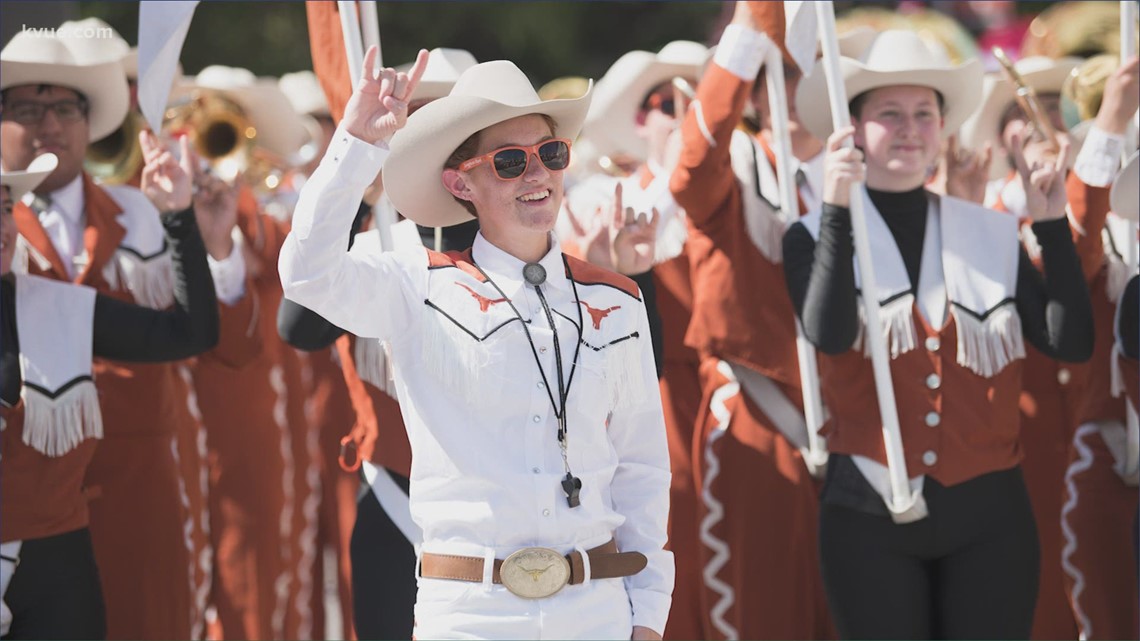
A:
{"points": [[38, 59], [895, 57], [621, 91], [21, 182], [484, 95], [1044, 75]]}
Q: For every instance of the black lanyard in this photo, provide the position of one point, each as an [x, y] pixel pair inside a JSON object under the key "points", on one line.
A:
{"points": [[571, 484]]}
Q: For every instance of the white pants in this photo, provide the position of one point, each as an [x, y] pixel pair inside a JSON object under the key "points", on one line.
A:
{"points": [[463, 610]]}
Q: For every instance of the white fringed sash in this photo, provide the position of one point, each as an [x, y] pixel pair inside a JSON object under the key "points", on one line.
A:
{"points": [[969, 259], [142, 263], [54, 321]]}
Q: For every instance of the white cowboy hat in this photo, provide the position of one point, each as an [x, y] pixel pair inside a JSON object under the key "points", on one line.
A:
{"points": [[444, 66], [621, 91], [1126, 190], [895, 57], [1044, 75], [93, 41], [280, 130], [21, 182], [484, 95], [32, 59], [304, 92]]}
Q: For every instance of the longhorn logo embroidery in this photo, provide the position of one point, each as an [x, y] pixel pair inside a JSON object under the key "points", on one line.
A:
{"points": [[598, 314], [536, 573], [484, 302]]}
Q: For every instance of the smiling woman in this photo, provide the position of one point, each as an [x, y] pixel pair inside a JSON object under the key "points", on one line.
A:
{"points": [[959, 297], [504, 495]]}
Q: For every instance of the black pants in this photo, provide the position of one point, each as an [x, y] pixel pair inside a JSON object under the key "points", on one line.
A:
{"points": [[383, 571], [55, 591], [968, 570]]}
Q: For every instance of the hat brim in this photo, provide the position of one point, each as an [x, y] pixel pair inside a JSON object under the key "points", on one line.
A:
{"points": [[960, 87], [1126, 190], [413, 170], [21, 182], [610, 123], [104, 85]]}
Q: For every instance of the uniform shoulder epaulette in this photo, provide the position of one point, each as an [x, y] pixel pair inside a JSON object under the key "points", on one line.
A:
{"points": [[459, 260], [584, 273]]}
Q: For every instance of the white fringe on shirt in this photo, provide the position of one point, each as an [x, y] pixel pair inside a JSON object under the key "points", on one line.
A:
{"points": [[985, 347], [55, 426], [55, 322]]}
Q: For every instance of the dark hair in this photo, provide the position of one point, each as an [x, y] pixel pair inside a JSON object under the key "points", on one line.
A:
{"points": [[466, 150], [857, 103], [84, 104]]}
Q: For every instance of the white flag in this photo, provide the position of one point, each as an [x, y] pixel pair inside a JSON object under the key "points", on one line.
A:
{"points": [[800, 34], [162, 31]]}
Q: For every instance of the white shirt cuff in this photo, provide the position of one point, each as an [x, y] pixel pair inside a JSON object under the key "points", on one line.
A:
{"points": [[741, 51], [1099, 158], [650, 609], [229, 276]]}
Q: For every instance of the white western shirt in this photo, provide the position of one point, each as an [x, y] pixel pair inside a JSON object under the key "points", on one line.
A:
{"points": [[486, 465]]}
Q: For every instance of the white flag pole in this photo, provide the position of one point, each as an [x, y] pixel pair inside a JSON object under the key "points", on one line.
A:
{"points": [[370, 25], [789, 201], [1132, 254], [353, 48], [904, 505]]}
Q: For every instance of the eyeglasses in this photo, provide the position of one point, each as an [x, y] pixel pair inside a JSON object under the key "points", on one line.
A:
{"points": [[32, 113], [510, 163], [666, 105]]}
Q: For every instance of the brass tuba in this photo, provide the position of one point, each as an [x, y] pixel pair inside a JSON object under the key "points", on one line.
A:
{"points": [[117, 158], [1083, 90], [218, 128], [1081, 29]]}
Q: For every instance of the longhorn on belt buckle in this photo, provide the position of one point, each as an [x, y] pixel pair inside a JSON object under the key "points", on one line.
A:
{"points": [[535, 573]]}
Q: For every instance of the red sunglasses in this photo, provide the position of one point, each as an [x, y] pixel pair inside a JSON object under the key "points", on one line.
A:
{"points": [[511, 163]]}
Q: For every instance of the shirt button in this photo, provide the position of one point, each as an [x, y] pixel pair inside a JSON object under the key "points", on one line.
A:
{"points": [[541, 385], [932, 344], [934, 381], [929, 457], [536, 470], [1064, 376], [536, 418], [933, 419], [546, 512], [542, 350]]}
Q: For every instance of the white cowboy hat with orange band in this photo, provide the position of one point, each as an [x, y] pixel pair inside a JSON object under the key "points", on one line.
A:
{"points": [[484, 95], [896, 57]]}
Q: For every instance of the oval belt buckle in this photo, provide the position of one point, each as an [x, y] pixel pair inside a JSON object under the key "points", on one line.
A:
{"points": [[535, 573]]}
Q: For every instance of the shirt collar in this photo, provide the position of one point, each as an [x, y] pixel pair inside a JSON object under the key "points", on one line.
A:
{"points": [[506, 270], [68, 201]]}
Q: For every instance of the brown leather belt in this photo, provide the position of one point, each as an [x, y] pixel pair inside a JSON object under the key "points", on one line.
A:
{"points": [[536, 572]]}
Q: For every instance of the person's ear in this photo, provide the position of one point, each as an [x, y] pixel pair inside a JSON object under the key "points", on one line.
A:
{"points": [[456, 184]]}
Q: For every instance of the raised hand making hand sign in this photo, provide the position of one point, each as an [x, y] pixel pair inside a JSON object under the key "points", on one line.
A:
{"points": [[379, 105]]}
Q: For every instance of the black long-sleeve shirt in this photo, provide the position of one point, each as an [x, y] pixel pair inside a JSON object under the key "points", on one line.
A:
{"points": [[127, 332], [1056, 315]]}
